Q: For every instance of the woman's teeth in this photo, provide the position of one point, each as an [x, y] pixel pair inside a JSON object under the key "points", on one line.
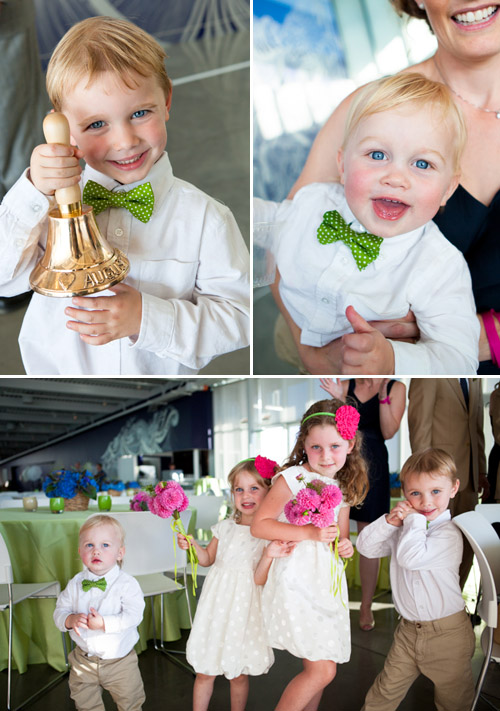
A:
{"points": [[471, 18]]}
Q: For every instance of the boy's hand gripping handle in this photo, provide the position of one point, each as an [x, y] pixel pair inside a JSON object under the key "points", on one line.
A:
{"points": [[56, 130]]}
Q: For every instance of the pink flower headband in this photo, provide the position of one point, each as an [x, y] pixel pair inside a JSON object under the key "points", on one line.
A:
{"points": [[266, 467], [346, 420]]}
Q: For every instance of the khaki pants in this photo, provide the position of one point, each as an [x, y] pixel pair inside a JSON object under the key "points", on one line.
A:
{"points": [[285, 347], [441, 650], [121, 677]]}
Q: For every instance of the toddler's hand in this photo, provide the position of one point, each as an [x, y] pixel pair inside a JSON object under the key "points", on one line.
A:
{"points": [[76, 620], [109, 317], [280, 549], [95, 620], [182, 541], [345, 548], [399, 513], [54, 166], [325, 535], [366, 350]]}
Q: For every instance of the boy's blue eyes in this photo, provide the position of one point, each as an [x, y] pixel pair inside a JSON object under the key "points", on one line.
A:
{"points": [[97, 124], [420, 163], [423, 164], [140, 113], [377, 155]]}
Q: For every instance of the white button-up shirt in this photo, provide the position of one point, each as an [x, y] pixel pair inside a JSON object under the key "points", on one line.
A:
{"points": [[424, 564], [189, 262], [418, 270], [121, 605]]}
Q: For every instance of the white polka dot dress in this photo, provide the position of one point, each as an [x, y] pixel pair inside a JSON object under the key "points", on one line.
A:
{"points": [[228, 634], [301, 613]]}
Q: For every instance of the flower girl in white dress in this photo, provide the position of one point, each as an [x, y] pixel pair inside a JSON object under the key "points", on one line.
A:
{"points": [[304, 602], [228, 636]]}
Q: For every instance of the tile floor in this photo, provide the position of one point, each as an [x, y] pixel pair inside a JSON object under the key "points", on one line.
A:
{"points": [[169, 687]]}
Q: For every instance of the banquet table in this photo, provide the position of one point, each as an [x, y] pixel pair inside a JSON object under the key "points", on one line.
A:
{"points": [[44, 546]]}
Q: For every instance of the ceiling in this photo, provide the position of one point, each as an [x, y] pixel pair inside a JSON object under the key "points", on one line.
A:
{"points": [[37, 411]]}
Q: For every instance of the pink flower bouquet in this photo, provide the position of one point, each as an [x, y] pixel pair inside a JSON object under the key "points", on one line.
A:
{"points": [[316, 504], [139, 502], [167, 499]]}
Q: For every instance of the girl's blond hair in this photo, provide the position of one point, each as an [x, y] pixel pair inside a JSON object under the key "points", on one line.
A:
{"points": [[104, 44], [247, 466], [353, 477], [400, 90]]}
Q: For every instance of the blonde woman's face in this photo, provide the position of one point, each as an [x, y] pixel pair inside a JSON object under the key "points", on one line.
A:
{"points": [[248, 495]]}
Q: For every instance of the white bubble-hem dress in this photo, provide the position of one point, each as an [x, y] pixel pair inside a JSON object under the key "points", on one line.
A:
{"points": [[228, 634], [301, 613]]}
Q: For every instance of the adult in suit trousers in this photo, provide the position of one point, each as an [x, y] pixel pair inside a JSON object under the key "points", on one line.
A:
{"points": [[439, 416]]}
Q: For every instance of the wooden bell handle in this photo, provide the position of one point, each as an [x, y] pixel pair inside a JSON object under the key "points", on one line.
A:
{"points": [[56, 130]]}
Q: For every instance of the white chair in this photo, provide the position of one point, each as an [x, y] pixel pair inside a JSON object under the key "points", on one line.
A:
{"points": [[486, 546], [13, 593], [491, 512], [150, 552], [208, 511]]}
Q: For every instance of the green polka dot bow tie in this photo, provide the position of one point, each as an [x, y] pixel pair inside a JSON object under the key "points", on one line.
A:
{"points": [[87, 584], [365, 247], [139, 201]]}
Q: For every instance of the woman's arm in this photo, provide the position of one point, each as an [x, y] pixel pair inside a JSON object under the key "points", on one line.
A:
{"points": [[266, 526], [391, 413]]}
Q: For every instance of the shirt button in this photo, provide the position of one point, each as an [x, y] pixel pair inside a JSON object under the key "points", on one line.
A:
{"points": [[121, 190], [325, 300], [344, 260], [118, 232], [36, 207]]}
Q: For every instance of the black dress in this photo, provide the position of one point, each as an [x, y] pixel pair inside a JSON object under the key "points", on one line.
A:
{"points": [[376, 455], [474, 229]]}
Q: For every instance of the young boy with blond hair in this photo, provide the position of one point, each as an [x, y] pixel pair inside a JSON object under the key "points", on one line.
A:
{"points": [[367, 250], [185, 299], [434, 636], [101, 607]]}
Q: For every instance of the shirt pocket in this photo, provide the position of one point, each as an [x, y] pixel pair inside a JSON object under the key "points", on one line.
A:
{"points": [[377, 309], [168, 278]]}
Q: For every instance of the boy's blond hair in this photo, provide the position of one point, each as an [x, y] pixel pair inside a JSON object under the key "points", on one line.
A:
{"points": [[104, 44], [432, 461], [103, 520], [400, 90]]}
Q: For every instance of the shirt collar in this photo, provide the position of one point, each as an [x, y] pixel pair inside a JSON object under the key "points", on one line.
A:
{"points": [[110, 576], [160, 176], [442, 518]]}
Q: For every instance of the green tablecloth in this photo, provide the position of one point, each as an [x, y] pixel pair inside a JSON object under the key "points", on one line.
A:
{"points": [[44, 546]]}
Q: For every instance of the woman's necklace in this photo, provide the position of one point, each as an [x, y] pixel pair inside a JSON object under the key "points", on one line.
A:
{"points": [[480, 108]]}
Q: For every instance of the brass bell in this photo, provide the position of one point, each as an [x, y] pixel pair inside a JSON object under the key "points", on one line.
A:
{"points": [[77, 260]]}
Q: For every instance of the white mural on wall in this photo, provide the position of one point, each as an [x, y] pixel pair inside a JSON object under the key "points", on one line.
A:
{"points": [[139, 436]]}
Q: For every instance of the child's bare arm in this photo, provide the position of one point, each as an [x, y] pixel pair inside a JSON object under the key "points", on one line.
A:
{"points": [[275, 549], [206, 556]]}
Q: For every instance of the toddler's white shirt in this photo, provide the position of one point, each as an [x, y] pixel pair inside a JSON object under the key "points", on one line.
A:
{"points": [[424, 563], [121, 605], [189, 262], [419, 270]]}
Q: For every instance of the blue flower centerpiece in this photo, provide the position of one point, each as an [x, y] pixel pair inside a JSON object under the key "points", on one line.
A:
{"points": [[76, 488], [114, 487]]}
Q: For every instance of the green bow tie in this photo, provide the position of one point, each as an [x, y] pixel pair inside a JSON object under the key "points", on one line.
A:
{"points": [[365, 247], [139, 201], [87, 584]]}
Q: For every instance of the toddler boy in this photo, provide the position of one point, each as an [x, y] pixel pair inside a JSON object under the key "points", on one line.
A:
{"points": [[368, 250], [435, 636], [185, 299], [101, 607]]}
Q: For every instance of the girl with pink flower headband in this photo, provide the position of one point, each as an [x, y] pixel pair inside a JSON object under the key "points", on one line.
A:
{"points": [[301, 612], [228, 636]]}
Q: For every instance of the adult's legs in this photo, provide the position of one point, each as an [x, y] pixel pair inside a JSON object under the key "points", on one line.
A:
{"points": [[307, 686]]}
